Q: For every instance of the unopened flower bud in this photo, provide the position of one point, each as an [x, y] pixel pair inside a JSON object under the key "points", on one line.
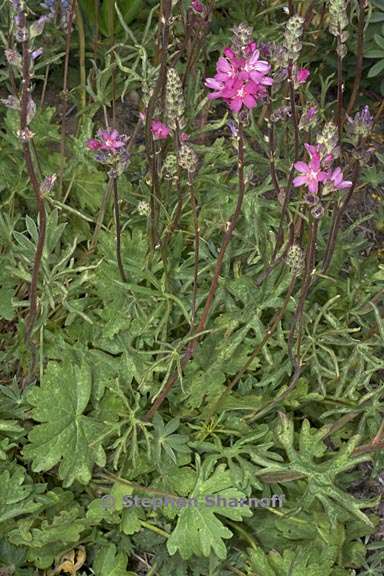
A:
{"points": [[47, 184], [11, 102], [338, 19], [25, 135], [242, 37], [328, 139], [361, 124], [13, 57], [317, 211], [143, 208], [295, 259], [169, 169]]}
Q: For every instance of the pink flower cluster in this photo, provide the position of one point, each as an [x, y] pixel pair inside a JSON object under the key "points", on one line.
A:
{"points": [[159, 130], [240, 81], [319, 170], [109, 141], [110, 149]]}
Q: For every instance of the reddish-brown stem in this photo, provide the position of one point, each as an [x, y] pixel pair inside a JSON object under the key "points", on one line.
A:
{"points": [[231, 224], [159, 90], [272, 150], [308, 15], [340, 106], [118, 229], [359, 55], [196, 244], [288, 192], [298, 316], [336, 220], [65, 89], [25, 98], [279, 398], [197, 42], [179, 189], [269, 331]]}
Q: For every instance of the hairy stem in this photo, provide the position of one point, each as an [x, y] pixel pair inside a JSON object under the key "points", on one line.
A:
{"points": [[83, 73], [65, 91], [25, 98], [269, 331], [336, 219], [340, 105], [179, 189], [359, 54], [288, 192], [118, 229], [159, 91], [196, 244], [298, 317], [231, 224], [100, 217]]}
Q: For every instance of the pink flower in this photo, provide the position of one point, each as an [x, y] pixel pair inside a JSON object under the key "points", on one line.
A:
{"points": [[336, 179], [311, 173], [302, 76], [159, 130], [217, 86], [93, 144], [240, 81], [227, 68], [243, 93], [184, 137], [257, 69]]}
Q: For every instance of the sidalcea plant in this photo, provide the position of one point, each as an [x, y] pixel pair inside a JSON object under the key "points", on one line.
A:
{"points": [[240, 81]]}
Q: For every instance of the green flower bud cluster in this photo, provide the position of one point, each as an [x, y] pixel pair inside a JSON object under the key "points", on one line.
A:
{"points": [[328, 139], [143, 208], [292, 37], [174, 100], [338, 22], [169, 168], [188, 158], [242, 36], [295, 259]]}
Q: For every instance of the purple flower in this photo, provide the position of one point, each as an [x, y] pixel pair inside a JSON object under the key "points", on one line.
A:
{"points": [[233, 128], [36, 53], [197, 6], [361, 124], [47, 184], [308, 118], [109, 141], [336, 179], [110, 149], [257, 69], [159, 130]]}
